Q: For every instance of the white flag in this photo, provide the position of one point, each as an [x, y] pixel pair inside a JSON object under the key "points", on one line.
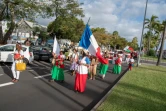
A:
{"points": [[56, 48]]}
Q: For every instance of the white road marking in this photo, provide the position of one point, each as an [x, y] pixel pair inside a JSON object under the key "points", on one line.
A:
{"points": [[1, 74], [6, 84], [30, 70], [38, 77]]}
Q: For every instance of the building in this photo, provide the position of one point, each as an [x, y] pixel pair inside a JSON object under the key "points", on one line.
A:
{"points": [[23, 30]]}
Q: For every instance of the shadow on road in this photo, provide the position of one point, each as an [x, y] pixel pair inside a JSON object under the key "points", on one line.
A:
{"points": [[90, 93]]}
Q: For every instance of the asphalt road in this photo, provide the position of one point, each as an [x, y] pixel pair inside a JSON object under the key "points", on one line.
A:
{"points": [[152, 62], [33, 92]]}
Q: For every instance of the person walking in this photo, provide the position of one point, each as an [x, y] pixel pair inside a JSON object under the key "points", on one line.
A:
{"points": [[74, 60], [104, 66], [117, 66], [93, 67], [131, 63], [57, 71], [18, 56], [82, 73], [27, 42]]}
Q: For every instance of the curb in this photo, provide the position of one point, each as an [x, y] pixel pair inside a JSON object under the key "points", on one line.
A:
{"points": [[98, 101]]}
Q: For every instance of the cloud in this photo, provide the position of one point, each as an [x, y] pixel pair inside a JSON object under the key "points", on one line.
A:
{"points": [[124, 16]]}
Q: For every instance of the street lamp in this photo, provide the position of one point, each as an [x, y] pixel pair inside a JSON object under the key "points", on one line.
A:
{"points": [[139, 55]]}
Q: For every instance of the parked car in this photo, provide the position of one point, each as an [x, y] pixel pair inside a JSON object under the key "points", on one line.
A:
{"points": [[7, 53], [42, 53], [50, 42]]}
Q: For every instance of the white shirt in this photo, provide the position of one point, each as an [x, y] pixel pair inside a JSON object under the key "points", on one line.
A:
{"points": [[9, 41], [131, 60]]}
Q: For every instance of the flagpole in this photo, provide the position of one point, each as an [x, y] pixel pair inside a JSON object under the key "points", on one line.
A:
{"points": [[88, 20], [139, 56]]}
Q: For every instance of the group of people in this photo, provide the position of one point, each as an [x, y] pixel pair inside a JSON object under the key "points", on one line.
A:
{"points": [[84, 65]]}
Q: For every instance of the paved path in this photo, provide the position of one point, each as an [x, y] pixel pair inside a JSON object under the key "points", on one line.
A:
{"points": [[152, 62], [34, 93]]}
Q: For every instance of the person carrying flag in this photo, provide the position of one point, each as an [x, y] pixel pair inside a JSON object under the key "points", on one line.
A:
{"points": [[82, 73], [57, 71]]}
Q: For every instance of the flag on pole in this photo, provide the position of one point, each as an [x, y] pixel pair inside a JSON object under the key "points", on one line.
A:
{"points": [[89, 43], [128, 49], [56, 48]]}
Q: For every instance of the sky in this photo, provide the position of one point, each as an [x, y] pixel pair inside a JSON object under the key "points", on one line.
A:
{"points": [[124, 16]]}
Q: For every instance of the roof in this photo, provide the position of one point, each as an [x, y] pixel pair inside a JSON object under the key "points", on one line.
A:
{"points": [[29, 23]]}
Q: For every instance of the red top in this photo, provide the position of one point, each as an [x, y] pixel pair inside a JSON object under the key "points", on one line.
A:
{"points": [[16, 56], [118, 61], [60, 63]]}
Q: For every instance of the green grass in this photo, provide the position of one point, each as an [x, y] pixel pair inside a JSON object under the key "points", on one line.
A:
{"points": [[142, 89]]}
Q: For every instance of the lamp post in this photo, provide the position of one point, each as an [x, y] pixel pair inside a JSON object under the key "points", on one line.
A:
{"points": [[139, 56]]}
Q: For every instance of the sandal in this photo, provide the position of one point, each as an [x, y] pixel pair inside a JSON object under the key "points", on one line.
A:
{"points": [[13, 80], [16, 80]]}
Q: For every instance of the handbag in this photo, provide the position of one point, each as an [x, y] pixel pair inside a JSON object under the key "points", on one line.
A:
{"points": [[20, 66]]}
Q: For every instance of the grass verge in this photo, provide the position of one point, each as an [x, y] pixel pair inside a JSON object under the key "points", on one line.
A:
{"points": [[142, 89]]}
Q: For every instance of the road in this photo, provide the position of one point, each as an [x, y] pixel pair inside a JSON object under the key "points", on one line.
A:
{"points": [[33, 92], [152, 62]]}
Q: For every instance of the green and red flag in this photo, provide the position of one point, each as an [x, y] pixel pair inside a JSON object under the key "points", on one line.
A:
{"points": [[128, 49]]}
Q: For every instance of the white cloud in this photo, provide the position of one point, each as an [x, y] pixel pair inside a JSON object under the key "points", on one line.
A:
{"points": [[125, 16]]}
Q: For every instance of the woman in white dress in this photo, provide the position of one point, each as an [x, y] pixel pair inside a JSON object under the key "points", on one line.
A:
{"points": [[18, 55]]}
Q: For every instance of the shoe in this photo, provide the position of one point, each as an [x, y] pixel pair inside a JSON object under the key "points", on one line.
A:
{"points": [[13, 80], [16, 80]]}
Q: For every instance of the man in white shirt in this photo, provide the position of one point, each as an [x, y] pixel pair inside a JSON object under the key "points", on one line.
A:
{"points": [[9, 41]]}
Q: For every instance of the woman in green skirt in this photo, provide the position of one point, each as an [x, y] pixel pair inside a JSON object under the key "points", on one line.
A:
{"points": [[117, 67], [104, 67], [57, 71]]}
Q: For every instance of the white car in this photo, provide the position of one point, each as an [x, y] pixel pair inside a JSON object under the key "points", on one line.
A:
{"points": [[7, 51]]}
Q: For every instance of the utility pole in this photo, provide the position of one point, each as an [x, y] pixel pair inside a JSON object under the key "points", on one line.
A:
{"points": [[139, 55], [162, 46]]}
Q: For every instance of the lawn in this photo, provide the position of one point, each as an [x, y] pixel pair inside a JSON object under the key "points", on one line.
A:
{"points": [[142, 89]]}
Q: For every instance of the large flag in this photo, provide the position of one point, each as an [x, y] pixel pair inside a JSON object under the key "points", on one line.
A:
{"points": [[56, 48], [128, 49], [89, 43]]}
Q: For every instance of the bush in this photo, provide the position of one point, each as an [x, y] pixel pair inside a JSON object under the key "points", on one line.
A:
{"points": [[151, 52]]}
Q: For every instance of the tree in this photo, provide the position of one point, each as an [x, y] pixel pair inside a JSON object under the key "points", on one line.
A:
{"points": [[63, 9], [14, 10], [150, 24], [162, 44], [102, 36], [134, 43], [67, 28], [158, 33], [115, 36]]}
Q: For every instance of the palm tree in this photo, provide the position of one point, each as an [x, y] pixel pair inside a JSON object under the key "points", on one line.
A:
{"points": [[162, 43], [158, 33], [150, 24]]}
